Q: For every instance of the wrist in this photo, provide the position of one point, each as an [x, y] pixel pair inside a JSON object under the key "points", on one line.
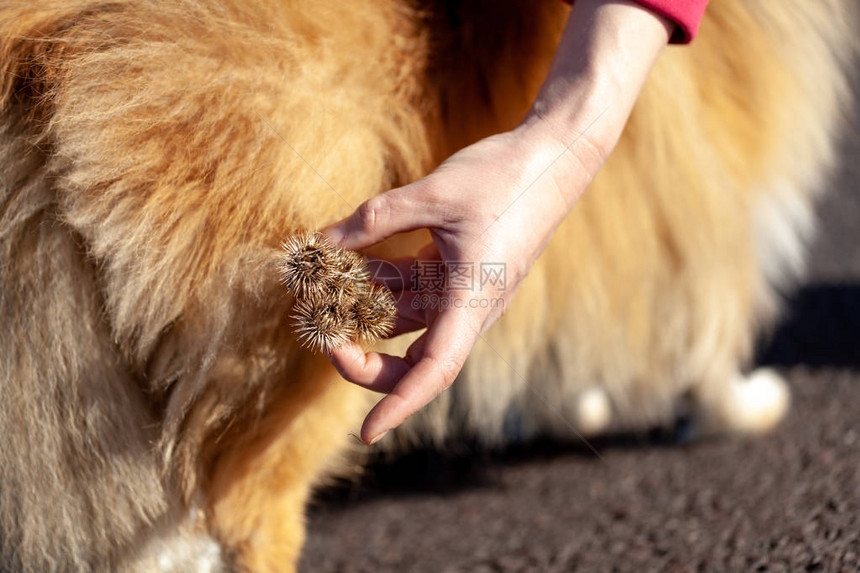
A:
{"points": [[580, 134], [601, 64]]}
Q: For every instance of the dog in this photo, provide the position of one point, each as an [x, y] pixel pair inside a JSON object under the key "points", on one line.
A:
{"points": [[157, 412]]}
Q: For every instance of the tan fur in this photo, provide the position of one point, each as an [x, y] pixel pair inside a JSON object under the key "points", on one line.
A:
{"points": [[155, 153]]}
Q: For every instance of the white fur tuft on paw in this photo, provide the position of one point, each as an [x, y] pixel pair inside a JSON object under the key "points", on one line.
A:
{"points": [[593, 412], [757, 402]]}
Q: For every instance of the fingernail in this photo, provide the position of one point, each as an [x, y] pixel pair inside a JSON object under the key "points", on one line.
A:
{"points": [[378, 437]]}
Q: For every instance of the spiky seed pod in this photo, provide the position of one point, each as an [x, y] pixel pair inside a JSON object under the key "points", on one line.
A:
{"points": [[351, 266], [335, 298], [323, 324], [373, 313], [309, 263]]}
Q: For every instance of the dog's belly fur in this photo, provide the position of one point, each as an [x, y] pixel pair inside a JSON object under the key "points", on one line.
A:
{"points": [[155, 410]]}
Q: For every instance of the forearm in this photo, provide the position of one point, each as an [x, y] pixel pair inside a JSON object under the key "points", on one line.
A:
{"points": [[606, 53]]}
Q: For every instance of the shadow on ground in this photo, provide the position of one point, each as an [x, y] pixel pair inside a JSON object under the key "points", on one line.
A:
{"points": [[821, 329]]}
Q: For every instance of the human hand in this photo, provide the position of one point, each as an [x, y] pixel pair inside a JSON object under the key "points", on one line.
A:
{"points": [[498, 201]]}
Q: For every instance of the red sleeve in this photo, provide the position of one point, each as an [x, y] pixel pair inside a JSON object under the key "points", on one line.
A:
{"points": [[687, 14]]}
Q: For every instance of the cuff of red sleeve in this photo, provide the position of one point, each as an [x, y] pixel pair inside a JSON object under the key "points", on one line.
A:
{"points": [[687, 14]]}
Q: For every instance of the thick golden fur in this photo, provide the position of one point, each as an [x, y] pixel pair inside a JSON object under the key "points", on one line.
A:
{"points": [[156, 412]]}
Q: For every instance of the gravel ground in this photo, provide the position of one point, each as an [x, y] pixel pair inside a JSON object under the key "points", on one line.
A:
{"points": [[786, 502]]}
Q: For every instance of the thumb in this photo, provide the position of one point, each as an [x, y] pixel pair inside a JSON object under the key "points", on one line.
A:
{"points": [[396, 211]]}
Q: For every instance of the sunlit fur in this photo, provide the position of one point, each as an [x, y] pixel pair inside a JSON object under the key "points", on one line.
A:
{"points": [[157, 412]]}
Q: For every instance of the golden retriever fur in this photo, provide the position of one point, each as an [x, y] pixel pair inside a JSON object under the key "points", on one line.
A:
{"points": [[156, 411]]}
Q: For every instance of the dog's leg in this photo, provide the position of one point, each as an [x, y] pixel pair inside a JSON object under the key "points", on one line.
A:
{"points": [[260, 483]]}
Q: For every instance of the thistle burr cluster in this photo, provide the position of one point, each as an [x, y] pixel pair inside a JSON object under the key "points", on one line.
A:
{"points": [[336, 301]]}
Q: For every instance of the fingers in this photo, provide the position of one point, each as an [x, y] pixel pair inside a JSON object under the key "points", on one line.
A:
{"points": [[374, 370], [396, 211], [448, 342]]}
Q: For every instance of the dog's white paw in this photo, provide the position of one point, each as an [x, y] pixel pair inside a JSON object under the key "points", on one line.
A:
{"points": [[755, 404], [178, 544], [593, 412]]}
